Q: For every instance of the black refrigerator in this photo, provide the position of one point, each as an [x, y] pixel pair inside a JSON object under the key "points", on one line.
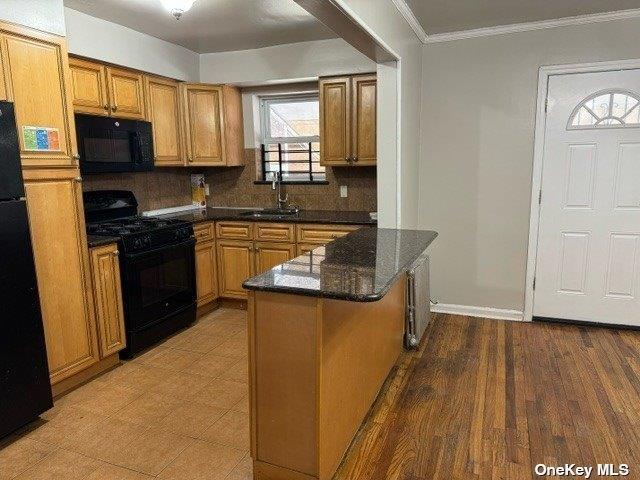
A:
{"points": [[25, 391]]}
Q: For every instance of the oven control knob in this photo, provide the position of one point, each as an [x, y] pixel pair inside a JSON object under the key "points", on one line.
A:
{"points": [[137, 244], [147, 241]]}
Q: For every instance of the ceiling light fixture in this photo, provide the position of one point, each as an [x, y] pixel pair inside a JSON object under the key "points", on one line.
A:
{"points": [[177, 7]]}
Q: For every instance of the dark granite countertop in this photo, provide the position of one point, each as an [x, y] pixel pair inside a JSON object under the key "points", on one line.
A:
{"points": [[100, 240], [303, 216], [361, 266]]}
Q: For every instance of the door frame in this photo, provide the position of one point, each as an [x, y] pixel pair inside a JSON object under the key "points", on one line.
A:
{"points": [[544, 74]]}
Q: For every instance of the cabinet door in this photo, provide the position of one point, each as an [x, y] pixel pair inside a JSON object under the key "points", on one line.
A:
{"points": [[268, 255], [107, 294], [36, 73], [126, 93], [335, 121], [3, 88], [204, 121], [56, 218], [89, 87], [235, 265], [363, 134], [206, 272], [164, 111]]}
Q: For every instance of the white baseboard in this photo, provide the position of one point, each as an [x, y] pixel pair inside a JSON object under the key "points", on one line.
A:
{"points": [[484, 312]]}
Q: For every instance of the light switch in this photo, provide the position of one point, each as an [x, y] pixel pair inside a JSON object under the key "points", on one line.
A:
{"points": [[206, 189], [343, 191]]}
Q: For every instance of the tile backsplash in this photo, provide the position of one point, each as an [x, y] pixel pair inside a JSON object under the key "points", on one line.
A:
{"points": [[234, 187], [161, 188]]}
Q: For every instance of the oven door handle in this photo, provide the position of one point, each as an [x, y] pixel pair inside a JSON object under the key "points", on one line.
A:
{"points": [[133, 256]]}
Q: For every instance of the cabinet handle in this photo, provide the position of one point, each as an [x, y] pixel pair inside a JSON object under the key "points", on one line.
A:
{"points": [[114, 108], [355, 159], [78, 179], [106, 106], [116, 253], [334, 236]]}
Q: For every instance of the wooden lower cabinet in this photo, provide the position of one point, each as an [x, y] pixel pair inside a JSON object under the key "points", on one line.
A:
{"points": [[270, 254], [206, 272], [235, 265], [56, 218], [303, 248], [107, 293]]}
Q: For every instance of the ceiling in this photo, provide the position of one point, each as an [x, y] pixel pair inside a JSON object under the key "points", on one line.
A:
{"points": [[441, 16], [213, 25]]}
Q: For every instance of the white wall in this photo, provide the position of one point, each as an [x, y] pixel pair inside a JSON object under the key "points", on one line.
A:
{"points": [[478, 117], [46, 15], [395, 181], [96, 38], [284, 63]]}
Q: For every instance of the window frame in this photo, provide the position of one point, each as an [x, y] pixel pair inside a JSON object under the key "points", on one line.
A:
{"points": [[267, 139], [598, 125]]}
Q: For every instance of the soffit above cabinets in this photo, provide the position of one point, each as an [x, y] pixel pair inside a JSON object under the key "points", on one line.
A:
{"points": [[213, 25], [443, 16]]}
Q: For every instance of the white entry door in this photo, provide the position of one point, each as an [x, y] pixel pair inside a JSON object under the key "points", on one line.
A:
{"points": [[588, 257]]}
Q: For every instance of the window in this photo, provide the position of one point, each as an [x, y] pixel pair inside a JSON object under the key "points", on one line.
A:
{"points": [[291, 138], [607, 109]]}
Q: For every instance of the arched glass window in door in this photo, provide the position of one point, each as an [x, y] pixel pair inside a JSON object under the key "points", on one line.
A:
{"points": [[613, 108]]}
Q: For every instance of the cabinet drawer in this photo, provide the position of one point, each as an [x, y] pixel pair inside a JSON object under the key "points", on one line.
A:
{"points": [[321, 234], [203, 232], [234, 230], [275, 232]]}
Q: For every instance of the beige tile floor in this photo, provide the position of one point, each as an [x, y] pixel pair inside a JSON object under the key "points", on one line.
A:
{"points": [[179, 411]]}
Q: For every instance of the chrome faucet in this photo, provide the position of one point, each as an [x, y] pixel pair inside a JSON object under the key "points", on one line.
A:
{"points": [[276, 184]]}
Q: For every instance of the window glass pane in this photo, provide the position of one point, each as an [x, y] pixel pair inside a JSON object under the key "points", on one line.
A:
{"points": [[294, 118], [613, 108]]}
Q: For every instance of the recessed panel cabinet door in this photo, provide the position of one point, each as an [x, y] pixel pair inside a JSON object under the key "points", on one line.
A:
{"points": [[54, 202], [204, 121], [235, 264], [37, 81], [165, 114], [126, 93], [206, 272], [89, 87], [268, 255], [335, 121], [107, 289], [363, 110]]}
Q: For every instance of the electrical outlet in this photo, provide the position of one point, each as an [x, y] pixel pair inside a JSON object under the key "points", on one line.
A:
{"points": [[343, 191], [206, 189]]}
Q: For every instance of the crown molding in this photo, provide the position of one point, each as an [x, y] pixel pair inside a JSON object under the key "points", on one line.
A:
{"points": [[530, 26], [411, 19]]}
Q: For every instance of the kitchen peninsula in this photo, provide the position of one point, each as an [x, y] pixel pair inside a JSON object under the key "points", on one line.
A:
{"points": [[325, 329]]}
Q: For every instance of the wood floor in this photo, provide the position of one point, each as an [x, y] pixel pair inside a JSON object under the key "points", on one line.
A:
{"points": [[486, 399]]}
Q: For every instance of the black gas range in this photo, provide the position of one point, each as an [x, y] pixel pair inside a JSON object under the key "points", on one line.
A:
{"points": [[157, 266]]}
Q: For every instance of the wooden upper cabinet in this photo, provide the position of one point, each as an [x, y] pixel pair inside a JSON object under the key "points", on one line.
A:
{"points": [[164, 111], [99, 89], [89, 87], [363, 108], [204, 122], [56, 219], [3, 88], [335, 121], [36, 79], [348, 120], [126, 93], [107, 292], [213, 124]]}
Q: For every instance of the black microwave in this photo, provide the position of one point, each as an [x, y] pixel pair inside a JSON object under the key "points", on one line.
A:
{"points": [[108, 144]]}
